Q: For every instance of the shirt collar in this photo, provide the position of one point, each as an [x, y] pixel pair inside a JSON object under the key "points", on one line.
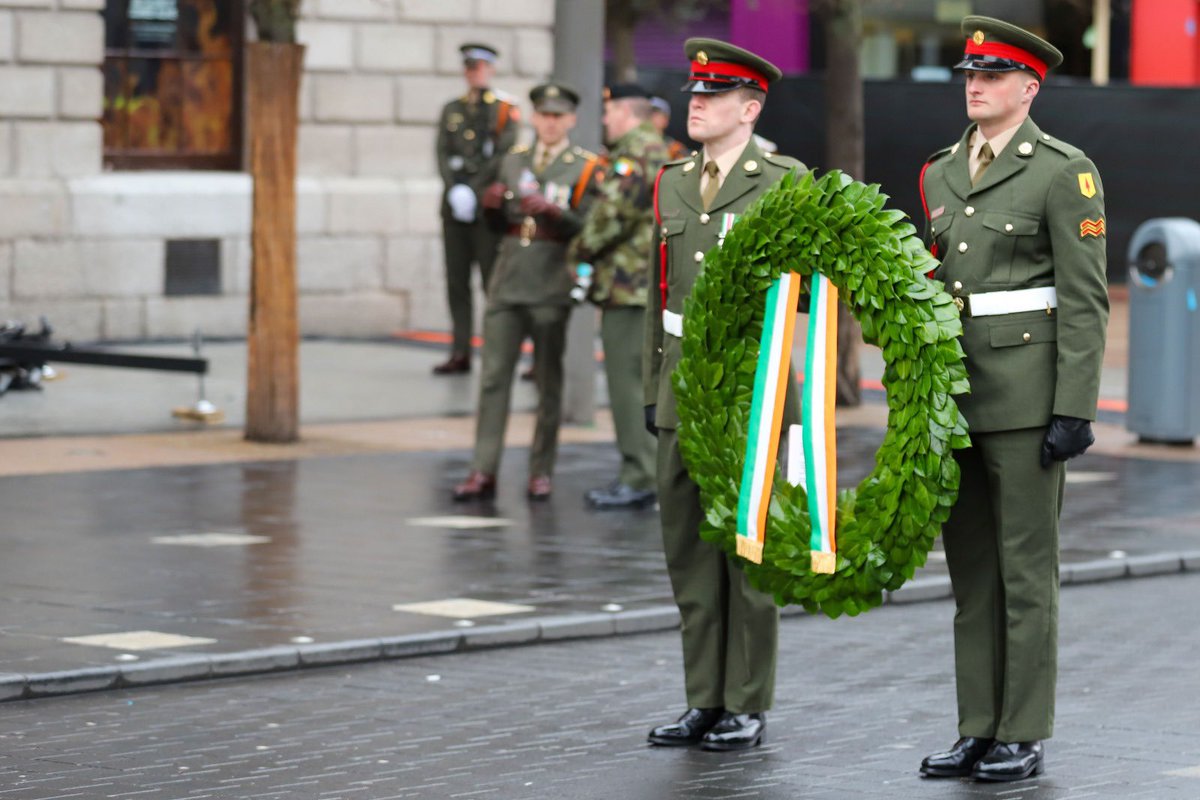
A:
{"points": [[998, 142], [550, 153], [726, 162]]}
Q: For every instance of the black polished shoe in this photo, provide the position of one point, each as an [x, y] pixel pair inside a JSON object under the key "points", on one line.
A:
{"points": [[1010, 761], [456, 364], [958, 761], [619, 495], [735, 732], [686, 730]]}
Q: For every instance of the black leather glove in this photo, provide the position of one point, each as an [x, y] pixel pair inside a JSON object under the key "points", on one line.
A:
{"points": [[651, 420], [1066, 437]]}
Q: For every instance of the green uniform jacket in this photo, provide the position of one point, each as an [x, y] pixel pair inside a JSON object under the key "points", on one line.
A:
{"points": [[531, 267], [689, 232], [619, 230], [1035, 219], [472, 139]]}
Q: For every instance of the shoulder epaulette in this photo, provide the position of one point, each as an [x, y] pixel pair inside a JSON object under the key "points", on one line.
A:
{"points": [[679, 161], [944, 151], [1068, 150], [587, 155], [783, 162], [517, 149]]}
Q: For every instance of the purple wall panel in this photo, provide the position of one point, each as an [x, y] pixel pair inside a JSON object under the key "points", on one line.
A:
{"points": [[775, 29]]}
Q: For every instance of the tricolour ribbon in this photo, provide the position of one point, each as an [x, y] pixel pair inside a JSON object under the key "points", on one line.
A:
{"points": [[766, 415], [817, 416]]}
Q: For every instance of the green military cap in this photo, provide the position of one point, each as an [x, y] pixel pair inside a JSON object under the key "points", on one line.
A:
{"points": [[553, 97], [719, 66], [621, 91], [994, 45], [474, 51]]}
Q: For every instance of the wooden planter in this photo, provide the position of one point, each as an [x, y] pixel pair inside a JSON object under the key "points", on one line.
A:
{"points": [[273, 74]]}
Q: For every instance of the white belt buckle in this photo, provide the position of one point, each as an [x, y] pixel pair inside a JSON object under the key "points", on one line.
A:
{"points": [[672, 323]]}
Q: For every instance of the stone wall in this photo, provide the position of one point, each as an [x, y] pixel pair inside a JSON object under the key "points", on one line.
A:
{"points": [[87, 247]]}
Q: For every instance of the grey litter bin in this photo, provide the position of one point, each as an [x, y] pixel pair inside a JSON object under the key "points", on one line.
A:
{"points": [[1164, 331]]}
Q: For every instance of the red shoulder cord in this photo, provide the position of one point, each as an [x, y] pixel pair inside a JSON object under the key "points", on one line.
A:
{"points": [[662, 244], [933, 248]]}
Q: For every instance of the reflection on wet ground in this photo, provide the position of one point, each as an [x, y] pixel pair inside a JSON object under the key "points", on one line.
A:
{"points": [[256, 554]]}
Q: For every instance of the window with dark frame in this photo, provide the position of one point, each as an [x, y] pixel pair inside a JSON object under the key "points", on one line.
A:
{"points": [[173, 84]]}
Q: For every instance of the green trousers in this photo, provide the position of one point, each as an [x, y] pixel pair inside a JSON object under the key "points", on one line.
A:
{"points": [[466, 244], [621, 331], [1002, 549], [730, 630], [504, 329]]}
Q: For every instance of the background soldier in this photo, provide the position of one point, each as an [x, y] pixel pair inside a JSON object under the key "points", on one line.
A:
{"points": [[616, 240], [474, 133], [541, 196], [730, 630], [1018, 218], [660, 118]]}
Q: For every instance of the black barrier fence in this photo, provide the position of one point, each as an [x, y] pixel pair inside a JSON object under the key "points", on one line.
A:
{"points": [[1141, 139]]}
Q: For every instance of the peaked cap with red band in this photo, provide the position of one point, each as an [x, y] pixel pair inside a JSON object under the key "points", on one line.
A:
{"points": [[997, 46], [719, 67]]}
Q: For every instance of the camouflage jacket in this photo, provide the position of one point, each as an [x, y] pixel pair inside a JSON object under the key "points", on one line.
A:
{"points": [[618, 233]]}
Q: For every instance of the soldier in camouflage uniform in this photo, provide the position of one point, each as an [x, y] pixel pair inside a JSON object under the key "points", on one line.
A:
{"points": [[616, 240], [541, 197], [660, 118], [474, 133]]}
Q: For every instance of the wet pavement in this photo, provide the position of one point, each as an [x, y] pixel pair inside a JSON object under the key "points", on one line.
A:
{"points": [[320, 559], [859, 702], [189, 554]]}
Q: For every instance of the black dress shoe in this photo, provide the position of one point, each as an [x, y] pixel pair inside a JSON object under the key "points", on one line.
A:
{"points": [[454, 365], [619, 495], [958, 761], [735, 732], [1010, 761], [686, 730]]}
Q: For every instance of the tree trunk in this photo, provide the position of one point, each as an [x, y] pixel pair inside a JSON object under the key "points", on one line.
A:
{"points": [[844, 150], [621, 20], [272, 381]]}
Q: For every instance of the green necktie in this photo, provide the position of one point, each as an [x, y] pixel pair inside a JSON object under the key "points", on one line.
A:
{"points": [[714, 185], [985, 160]]}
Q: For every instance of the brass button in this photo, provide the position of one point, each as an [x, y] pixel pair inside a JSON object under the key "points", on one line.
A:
{"points": [[699, 256], [689, 166], [659, 349], [469, 134], [969, 211], [750, 165], [962, 247], [509, 195], [1008, 227], [1025, 337], [704, 219], [957, 287]]}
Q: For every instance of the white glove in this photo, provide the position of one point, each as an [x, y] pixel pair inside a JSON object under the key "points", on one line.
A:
{"points": [[462, 202]]}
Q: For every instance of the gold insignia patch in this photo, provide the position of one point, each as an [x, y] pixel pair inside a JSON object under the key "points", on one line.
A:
{"points": [[1091, 227], [551, 91], [1087, 184], [607, 93], [702, 58], [488, 97], [978, 38]]}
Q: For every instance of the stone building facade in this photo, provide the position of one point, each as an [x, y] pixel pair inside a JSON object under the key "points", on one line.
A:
{"points": [[87, 246]]}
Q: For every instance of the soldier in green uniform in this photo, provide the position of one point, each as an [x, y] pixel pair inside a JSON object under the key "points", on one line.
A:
{"points": [[540, 197], [730, 630], [1017, 217], [474, 133], [616, 240]]}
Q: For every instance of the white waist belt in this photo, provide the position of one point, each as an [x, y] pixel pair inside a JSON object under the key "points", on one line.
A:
{"points": [[673, 323], [992, 303]]}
